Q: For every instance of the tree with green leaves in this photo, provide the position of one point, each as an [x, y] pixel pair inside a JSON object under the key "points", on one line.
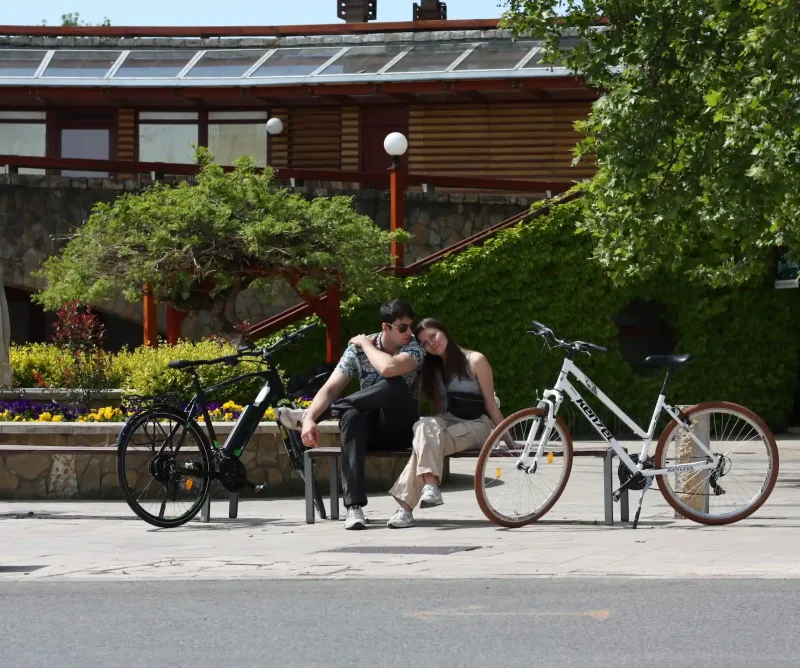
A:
{"points": [[199, 245], [696, 132], [74, 19]]}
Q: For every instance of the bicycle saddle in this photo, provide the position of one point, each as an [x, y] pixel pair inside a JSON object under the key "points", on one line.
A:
{"points": [[670, 361]]}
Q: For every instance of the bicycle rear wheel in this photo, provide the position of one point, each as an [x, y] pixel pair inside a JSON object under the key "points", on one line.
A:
{"points": [[745, 476], [508, 495], [162, 456]]}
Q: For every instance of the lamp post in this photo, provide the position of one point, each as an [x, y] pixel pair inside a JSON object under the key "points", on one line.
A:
{"points": [[396, 146]]}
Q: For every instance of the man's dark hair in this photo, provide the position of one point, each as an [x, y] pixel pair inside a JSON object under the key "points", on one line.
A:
{"points": [[397, 308]]}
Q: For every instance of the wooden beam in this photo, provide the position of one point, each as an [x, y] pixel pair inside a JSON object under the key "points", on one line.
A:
{"points": [[246, 31], [174, 320], [405, 98], [108, 95], [150, 317], [333, 323]]}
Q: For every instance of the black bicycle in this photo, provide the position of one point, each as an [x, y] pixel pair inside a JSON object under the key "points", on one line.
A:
{"points": [[166, 461]]}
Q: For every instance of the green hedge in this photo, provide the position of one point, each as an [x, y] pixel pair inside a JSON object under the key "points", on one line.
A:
{"points": [[143, 370], [745, 340]]}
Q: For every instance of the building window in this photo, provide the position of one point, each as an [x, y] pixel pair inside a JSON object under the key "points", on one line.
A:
{"points": [[168, 136], [232, 134], [23, 133]]}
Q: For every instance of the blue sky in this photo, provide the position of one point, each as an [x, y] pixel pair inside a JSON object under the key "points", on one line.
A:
{"points": [[226, 12]]}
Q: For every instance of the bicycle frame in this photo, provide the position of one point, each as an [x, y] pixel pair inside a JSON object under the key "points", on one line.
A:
{"points": [[237, 440], [552, 400]]}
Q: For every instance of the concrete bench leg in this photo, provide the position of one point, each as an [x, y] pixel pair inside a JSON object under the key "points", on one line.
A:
{"points": [[334, 475], [205, 512], [308, 475], [233, 505]]}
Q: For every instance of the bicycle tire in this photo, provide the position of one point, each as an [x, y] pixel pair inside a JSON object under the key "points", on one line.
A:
{"points": [[187, 425], [485, 503], [749, 417]]}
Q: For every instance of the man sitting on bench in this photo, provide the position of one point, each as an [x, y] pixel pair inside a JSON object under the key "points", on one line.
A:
{"points": [[379, 416]]}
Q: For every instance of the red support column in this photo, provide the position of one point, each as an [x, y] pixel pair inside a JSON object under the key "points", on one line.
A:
{"points": [[333, 323], [397, 186], [174, 320], [150, 317]]}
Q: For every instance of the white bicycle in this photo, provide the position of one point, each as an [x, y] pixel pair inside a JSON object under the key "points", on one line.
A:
{"points": [[716, 463]]}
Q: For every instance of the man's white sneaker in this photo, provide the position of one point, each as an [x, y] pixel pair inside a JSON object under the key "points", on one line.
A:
{"points": [[401, 519], [355, 518], [431, 496], [291, 418]]}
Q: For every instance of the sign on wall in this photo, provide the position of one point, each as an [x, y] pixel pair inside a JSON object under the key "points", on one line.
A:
{"points": [[786, 275]]}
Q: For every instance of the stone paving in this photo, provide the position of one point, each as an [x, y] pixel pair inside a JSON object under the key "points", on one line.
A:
{"points": [[104, 540]]}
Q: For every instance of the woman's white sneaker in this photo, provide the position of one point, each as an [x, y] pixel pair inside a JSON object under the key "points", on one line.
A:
{"points": [[431, 496], [401, 519]]}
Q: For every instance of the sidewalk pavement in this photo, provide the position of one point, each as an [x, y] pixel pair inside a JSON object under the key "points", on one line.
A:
{"points": [[270, 539]]}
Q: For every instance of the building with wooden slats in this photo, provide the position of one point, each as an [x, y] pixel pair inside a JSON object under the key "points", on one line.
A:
{"points": [[471, 101], [475, 105]]}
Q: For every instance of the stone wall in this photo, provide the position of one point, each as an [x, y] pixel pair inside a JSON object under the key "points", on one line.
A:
{"points": [[38, 212], [42, 475]]}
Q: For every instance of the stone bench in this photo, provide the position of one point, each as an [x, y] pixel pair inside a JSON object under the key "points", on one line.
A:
{"points": [[333, 454]]}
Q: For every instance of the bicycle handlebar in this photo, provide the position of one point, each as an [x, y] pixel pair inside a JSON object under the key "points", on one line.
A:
{"points": [[243, 351], [576, 346]]}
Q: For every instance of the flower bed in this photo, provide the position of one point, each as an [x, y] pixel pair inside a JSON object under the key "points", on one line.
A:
{"points": [[29, 411]]}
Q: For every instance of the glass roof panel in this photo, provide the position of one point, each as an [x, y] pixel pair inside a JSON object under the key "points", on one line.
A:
{"points": [[566, 46], [495, 56], [295, 62], [73, 63], [20, 63], [154, 64], [429, 58], [225, 63], [364, 59]]}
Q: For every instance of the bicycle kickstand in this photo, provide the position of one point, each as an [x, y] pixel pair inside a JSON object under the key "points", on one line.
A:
{"points": [[648, 483]]}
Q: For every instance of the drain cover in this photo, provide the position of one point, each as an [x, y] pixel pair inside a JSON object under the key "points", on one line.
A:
{"points": [[19, 569], [406, 549]]}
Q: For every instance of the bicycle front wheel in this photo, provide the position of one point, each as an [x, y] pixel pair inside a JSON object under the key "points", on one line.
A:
{"points": [[163, 460], [741, 482], [508, 494]]}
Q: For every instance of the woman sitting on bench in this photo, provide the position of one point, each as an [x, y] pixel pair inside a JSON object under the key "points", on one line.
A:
{"points": [[460, 387]]}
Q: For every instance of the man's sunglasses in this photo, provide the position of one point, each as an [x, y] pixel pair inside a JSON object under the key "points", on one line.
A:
{"points": [[401, 328]]}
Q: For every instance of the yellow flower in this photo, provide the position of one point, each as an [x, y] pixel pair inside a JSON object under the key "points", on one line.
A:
{"points": [[17, 418], [228, 416], [270, 414], [45, 417], [58, 418]]}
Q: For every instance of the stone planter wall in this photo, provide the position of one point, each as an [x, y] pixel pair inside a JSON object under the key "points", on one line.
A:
{"points": [[42, 475]]}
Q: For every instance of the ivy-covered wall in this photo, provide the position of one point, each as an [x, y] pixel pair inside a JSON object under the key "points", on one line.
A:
{"points": [[745, 341]]}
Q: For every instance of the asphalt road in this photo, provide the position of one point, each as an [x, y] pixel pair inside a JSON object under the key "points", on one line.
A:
{"points": [[564, 623]]}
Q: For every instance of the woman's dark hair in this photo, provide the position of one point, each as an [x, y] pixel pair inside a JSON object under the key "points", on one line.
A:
{"points": [[454, 364]]}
